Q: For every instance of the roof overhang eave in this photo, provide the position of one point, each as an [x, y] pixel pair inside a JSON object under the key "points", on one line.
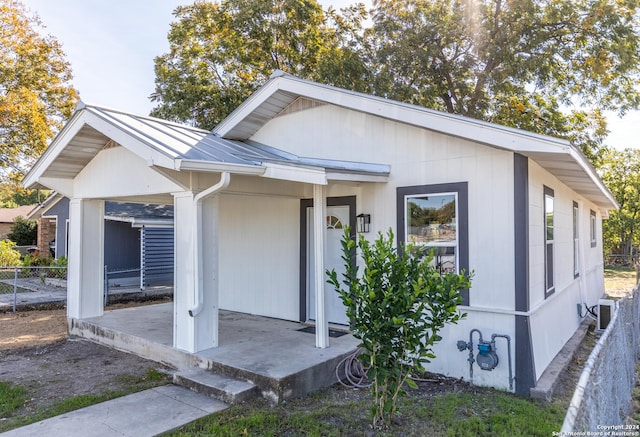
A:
{"points": [[610, 201], [578, 173], [71, 128]]}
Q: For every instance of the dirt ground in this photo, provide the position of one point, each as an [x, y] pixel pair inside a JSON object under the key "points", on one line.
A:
{"points": [[35, 353]]}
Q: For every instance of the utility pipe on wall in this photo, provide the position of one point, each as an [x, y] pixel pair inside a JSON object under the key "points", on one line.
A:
{"points": [[225, 178]]}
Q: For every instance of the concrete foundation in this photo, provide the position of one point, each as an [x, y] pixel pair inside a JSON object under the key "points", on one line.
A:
{"points": [[270, 353]]}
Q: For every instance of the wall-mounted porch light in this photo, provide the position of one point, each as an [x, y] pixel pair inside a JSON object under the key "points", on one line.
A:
{"points": [[363, 222]]}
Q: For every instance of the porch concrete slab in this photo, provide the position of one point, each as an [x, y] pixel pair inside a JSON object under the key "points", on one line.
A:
{"points": [[271, 353], [145, 413]]}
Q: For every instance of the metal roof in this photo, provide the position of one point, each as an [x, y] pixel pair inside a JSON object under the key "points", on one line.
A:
{"points": [[166, 144]]}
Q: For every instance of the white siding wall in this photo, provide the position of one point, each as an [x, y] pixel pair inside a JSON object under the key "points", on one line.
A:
{"points": [[118, 172], [421, 157], [259, 255], [417, 157], [559, 310]]}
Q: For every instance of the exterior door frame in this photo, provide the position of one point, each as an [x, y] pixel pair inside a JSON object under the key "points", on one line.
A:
{"points": [[349, 201]]}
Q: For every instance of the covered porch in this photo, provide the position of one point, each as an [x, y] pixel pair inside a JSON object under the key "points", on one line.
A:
{"points": [[275, 355], [240, 224], [237, 213]]}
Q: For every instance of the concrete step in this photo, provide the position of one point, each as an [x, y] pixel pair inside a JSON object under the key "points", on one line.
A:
{"points": [[224, 388]]}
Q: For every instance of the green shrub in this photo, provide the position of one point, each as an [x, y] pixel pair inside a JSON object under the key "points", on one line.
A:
{"points": [[8, 255], [23, 232], [396, 308]]}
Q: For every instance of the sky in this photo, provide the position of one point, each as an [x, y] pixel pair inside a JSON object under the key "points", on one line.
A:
{"points": [[111, 45]]}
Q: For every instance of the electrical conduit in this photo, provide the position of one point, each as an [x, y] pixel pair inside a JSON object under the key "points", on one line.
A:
{"points": [[225, 178]]}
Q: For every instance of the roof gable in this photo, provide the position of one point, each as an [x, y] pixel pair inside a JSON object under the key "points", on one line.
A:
{"points": [[284, 93], [166, 145]]}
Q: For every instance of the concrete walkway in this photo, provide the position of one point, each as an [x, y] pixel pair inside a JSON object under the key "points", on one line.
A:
{"points": [[146, 413]]}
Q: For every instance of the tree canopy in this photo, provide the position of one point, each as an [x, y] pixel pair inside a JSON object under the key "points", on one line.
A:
{"points": [[35, 94], [220, 53], [550, 67], [620, 170]]}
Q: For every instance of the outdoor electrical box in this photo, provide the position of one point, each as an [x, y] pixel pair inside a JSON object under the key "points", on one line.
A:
{"points": [[606, 309]]}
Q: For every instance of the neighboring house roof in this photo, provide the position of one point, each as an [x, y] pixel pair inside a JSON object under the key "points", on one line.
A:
{"points": [[557, 156], [7, 215], [42, 208], [179, 147], [135, 213], [139, 214]]}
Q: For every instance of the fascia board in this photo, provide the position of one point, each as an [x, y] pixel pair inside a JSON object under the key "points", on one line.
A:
{"points": [[295, 174], [208, 166], [355, 177]]}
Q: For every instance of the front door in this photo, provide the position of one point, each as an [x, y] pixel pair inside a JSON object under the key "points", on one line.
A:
{"points": [[338, 216]]}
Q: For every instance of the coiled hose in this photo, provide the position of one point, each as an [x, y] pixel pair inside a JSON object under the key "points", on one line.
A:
{"points": [[351, 372]]}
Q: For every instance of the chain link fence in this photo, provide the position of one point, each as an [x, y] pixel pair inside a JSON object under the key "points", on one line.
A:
{"points": [[603, 395], [34, 284], [39, 285]]}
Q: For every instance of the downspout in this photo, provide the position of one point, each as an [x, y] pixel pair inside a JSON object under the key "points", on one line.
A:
{"points": [[225, 178]]}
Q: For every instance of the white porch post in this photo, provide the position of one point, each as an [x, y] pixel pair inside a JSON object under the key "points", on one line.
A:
{"points": [[196, 272], [319, 238], [85, 283]]}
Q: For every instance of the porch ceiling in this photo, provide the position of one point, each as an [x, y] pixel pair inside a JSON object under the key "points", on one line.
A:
{"points": [[84, 146]]}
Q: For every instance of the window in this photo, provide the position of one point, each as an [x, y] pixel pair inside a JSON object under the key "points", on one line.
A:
{"points": [[549, 242], [576, 240], [333, 222], [432, 222], [592, 226], [437, 216]]}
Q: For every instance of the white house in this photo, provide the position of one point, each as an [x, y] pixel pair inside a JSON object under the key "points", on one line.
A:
{"points": [[261, 201]]}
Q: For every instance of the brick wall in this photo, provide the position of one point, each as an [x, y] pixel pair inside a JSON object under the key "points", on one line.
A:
{"points": [[46, 234]]}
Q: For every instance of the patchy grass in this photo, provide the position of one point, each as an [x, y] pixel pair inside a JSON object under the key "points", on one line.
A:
{"points": [[474, 412], [11, 398], [618, 281], [153, 378]]}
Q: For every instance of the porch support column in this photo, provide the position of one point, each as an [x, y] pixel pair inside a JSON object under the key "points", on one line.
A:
{"points": [[85, 283], [195, 272], [319, 238]]}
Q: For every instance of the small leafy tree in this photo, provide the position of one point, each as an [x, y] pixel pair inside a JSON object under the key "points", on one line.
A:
{"points": [[8, 255], [23, 231], [396, 308]]}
